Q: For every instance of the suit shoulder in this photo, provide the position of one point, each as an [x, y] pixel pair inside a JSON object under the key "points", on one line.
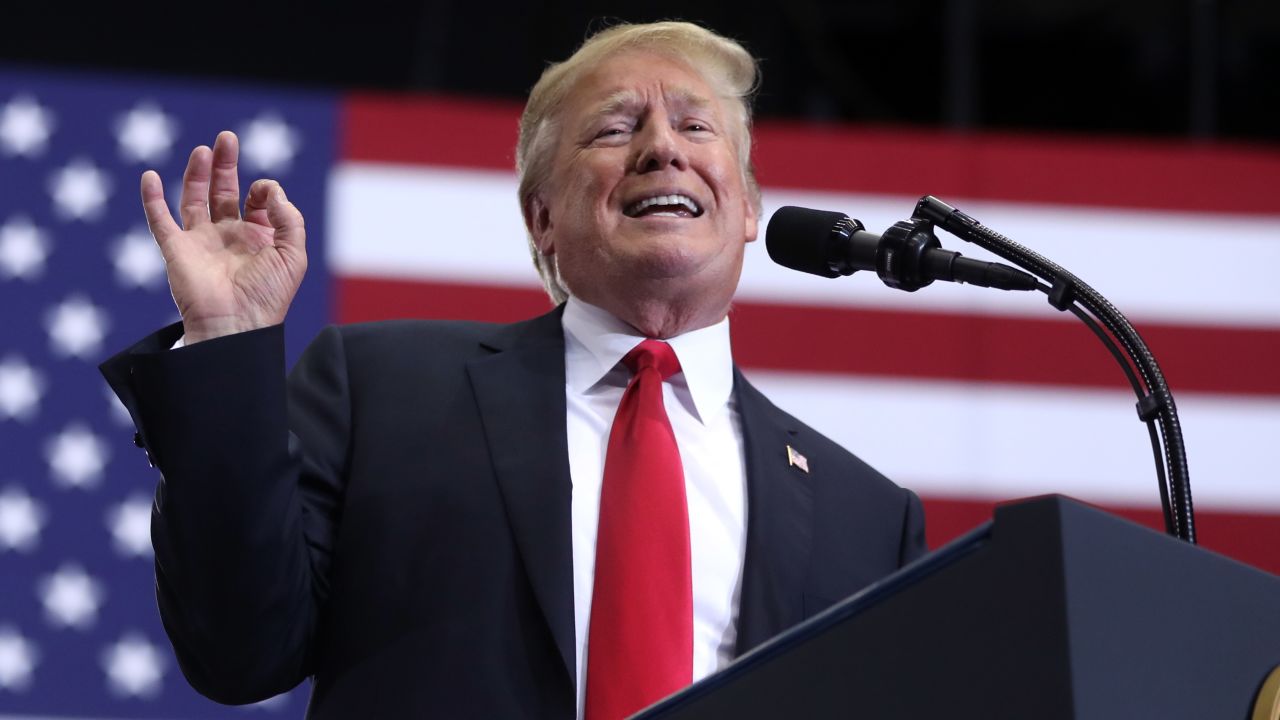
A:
{"points": [[815, 445], [441, 334], [414, 331], [393, 348], [813, 438], [431, 346]]}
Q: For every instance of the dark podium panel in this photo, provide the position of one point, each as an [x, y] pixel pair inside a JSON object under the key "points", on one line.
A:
{"points": [[1053, 610]]}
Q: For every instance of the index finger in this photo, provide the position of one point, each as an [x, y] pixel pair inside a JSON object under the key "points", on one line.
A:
{"points": [[159, 220]]}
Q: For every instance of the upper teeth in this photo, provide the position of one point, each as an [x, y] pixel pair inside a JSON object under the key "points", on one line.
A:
{"points": [[685, 201]]}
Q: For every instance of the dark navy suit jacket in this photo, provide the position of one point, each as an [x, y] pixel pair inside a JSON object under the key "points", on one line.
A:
{"points": [[393, 520]]}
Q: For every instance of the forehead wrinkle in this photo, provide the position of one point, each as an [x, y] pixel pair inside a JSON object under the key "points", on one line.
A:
{"points": [[679, 98], [687, 99]]}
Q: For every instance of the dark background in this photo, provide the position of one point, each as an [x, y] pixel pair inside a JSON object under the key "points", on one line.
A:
{"points": [[1165, 68]]}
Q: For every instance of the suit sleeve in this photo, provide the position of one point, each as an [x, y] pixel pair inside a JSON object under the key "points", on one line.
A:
{"points": [[246, 510]]}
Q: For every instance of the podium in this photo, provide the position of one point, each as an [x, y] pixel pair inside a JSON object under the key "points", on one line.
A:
{"points": [[1052, 610]]}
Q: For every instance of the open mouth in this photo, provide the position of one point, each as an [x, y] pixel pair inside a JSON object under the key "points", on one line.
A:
{"points": [[664, 206]]}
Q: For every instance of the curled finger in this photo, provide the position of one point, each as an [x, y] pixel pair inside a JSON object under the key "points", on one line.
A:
{"points": [[257, 199]]}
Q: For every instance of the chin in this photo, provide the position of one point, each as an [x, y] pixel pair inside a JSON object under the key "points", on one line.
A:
{"points": [[666, 261]]}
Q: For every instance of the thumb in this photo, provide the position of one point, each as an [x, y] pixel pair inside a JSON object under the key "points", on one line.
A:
{"points": [[286, 220]]}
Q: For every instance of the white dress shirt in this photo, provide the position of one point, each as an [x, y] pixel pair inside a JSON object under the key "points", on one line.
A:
{"points": [[700, 404]]}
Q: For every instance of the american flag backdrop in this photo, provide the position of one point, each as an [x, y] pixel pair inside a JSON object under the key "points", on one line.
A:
{"points": [[80, 279], [969, 396]]}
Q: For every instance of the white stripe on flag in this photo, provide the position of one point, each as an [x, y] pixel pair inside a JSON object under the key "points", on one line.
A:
{"points": [[994, 441], [459, 225]]}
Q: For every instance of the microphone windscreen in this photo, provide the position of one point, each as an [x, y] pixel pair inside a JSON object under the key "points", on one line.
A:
{"points": [[800, 238]]}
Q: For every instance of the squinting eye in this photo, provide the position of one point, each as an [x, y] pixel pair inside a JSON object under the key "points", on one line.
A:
{"points": [[697, 127]]}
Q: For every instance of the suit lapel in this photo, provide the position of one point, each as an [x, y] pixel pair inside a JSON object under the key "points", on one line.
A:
{"points": [[779, 522], [521, 397]]}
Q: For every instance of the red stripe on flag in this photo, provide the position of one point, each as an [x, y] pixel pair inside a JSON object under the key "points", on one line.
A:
{"points": [[430, 131], [1113, 172], [1251, 538], [1006, 349], [360, 299], [886, 343]]}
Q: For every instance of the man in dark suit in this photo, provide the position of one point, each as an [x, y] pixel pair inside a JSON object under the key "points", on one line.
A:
{"points": [[421, 516]]}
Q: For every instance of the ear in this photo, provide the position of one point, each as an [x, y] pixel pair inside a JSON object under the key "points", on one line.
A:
{"points": [[752, 224], [537, 220]]}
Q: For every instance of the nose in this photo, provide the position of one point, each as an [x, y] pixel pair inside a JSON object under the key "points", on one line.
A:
{"points": [[659, 146]]}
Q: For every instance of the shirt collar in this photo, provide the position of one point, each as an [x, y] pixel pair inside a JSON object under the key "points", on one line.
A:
{"points": [[596, 341]]}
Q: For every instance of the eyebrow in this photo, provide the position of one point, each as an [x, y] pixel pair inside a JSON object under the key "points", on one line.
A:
{"points": [[622, 100]]}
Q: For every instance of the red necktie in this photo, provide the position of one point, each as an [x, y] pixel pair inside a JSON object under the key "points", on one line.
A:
{"points": [[640, 642]]}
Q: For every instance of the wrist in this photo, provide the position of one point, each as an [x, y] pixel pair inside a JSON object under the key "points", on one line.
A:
{"points": [[211, 328]]}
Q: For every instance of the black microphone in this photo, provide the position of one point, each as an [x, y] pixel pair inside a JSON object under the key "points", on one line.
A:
{"points": [[907, 256]]}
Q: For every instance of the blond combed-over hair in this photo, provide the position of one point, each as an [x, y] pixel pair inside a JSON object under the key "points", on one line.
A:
{"points": [[726, 66]]}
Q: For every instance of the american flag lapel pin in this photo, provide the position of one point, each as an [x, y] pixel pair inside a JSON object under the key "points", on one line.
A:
{"points": [[795, 459]]}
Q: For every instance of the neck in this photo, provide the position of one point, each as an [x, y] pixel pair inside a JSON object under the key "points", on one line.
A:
{"points": [[666, 315]]}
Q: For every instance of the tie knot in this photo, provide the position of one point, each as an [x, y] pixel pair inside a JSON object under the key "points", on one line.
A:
{"points": [[653, 354]]}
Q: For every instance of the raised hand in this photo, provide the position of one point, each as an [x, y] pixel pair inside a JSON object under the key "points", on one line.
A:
{"points": [[228, 272]]}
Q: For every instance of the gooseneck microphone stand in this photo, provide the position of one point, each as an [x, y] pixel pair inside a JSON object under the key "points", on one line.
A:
{"points": [[1067, 292]]}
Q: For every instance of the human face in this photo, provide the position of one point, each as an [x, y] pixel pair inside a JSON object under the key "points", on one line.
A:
{"points": [[646, 200]]}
